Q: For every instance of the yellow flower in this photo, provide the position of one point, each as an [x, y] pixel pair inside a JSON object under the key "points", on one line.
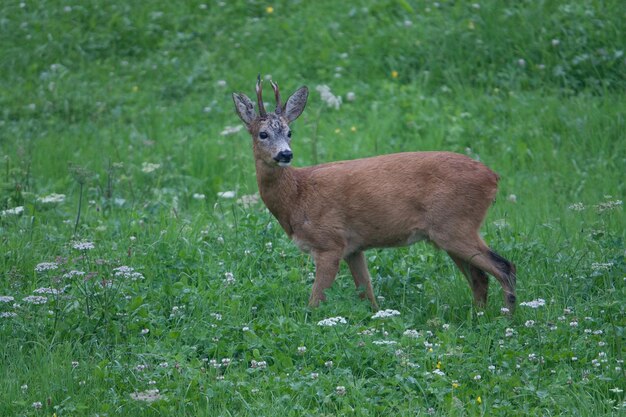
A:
{"points": [[479, 400], [135, 88], [269, 9], [455, 385], [470, 25], [438, 364], [394, 74], [337, 130], [353, 128]]}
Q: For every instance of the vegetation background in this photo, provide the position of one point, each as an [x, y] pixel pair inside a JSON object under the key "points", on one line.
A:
{"points": [[140, 275]]}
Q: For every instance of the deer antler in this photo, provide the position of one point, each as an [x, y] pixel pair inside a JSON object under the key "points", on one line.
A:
{"points": [[279, 106], [259, 97]]}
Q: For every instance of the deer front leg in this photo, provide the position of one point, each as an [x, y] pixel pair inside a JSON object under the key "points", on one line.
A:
{"points": [[326, 268], [358, 267]]}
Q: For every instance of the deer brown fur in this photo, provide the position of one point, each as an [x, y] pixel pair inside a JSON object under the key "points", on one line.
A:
{"points": [[335, 211]]}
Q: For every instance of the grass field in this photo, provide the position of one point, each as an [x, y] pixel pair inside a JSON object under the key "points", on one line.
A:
{"points": [[141, 276]]}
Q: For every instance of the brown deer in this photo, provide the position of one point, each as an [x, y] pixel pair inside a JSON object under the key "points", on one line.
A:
{"points": [[337, 210]]}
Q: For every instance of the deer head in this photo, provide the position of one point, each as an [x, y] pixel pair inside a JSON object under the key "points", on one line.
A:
{"points": [[270, 131]]}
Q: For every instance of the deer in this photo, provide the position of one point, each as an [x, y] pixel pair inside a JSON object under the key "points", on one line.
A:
{"points": [[335, 211]]}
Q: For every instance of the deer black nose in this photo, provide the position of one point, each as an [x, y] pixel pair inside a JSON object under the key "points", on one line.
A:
{"points": [[284, 156]]}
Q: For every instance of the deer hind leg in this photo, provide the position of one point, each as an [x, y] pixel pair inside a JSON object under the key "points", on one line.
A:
{"points": [[478, 280], [326, 268], [475, 252], [358, 267]]}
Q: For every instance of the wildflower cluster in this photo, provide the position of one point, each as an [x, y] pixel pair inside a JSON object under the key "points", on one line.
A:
{"points": [[540, 302], [328, 97], [332, 321], [127, 272], [382, 314], [46, 266]]}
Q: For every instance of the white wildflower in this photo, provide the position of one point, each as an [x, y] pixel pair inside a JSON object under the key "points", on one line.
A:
{"points": [[229, 278], [529, 323], [149, 167], [46, 266], [340, 390], [477, 377], [37, 405], [198, 196], [7, 314], [127, 272], [385, 313], [35, 299], [328, 97], [314, 375], [301, 350], [52, 199], [601, 266], [332, 321], [72, 274], [505, 310], [221, 83], [148, 396], [577, 207], [248, 200], [83, 246], [384, 342], [573, 324], [328, 364], [15, 211], [413, 334], [512, 198], [608, 205], [439, 372], [260, 364], [539, 302], [6, 299], [226, 194], [231, 130], [350, 96], [46, 290], [145, 331]]}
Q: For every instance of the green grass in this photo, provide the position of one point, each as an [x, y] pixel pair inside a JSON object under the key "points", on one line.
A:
{"points": [[92, 94]]}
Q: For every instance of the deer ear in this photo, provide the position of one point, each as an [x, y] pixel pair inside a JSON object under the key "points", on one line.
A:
{"points": [[295, 104], [244, 108]]}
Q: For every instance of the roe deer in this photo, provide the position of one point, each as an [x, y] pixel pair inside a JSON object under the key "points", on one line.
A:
{"points": [[337, 210]]}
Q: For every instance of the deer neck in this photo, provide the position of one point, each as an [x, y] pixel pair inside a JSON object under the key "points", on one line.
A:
{"points": [[278, 187]]}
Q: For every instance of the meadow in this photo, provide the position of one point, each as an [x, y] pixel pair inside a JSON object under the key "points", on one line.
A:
{"points": [[141, 275]]}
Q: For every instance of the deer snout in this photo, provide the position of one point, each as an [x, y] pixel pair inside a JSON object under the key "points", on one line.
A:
{"points": [[284, 157]]}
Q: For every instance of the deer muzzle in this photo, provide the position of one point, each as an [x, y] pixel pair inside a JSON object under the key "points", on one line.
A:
{"points": [[283, 158]]}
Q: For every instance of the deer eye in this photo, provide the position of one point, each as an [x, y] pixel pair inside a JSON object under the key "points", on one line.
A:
{"points": [[263, 135], [289, 133]]}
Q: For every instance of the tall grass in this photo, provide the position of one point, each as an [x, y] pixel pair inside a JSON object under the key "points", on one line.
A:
{"points": [[124, 110]]}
